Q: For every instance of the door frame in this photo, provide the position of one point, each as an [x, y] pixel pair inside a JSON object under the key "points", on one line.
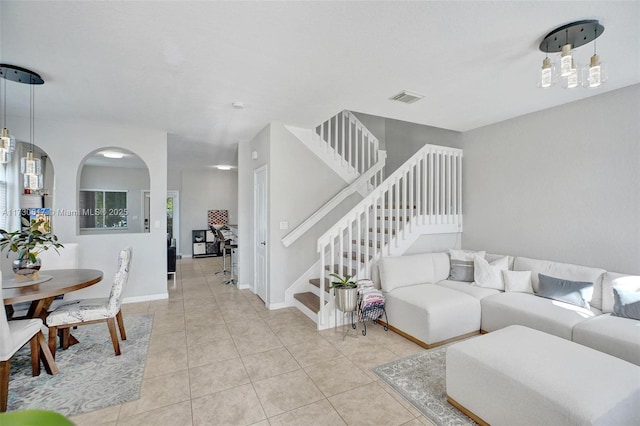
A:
{"points": [[176, 217], [255, 232]]}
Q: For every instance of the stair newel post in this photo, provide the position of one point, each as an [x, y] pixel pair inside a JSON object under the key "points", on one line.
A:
{"points": [[459, 191], [343, 116], [358, 235], [374, 217], [341, 267], [385, 217], [423, 184], [396, 207], [321, 313], [450, 189], [411, 210], [405, 201], [367, 222], [350, 243]]}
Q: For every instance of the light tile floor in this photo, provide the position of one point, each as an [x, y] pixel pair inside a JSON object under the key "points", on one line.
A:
{"points": [[217, 356]]}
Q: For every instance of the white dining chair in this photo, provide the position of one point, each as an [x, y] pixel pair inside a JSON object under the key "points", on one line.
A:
{"points": [[13, 336], [89, 311]]}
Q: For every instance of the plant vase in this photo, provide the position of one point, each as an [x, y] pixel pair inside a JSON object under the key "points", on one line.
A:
{"points": [[346, 299], [26, 270]]}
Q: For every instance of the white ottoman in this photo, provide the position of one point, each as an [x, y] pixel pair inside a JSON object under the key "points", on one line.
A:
{"points": [[432, 315], [520, 376]]}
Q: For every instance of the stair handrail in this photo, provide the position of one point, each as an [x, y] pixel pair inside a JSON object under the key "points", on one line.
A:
{"points": [[384, 186], [445, 187], [319, 214]]}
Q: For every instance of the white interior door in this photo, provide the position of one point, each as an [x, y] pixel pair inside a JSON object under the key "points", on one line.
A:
{"points": [[260, 253]]}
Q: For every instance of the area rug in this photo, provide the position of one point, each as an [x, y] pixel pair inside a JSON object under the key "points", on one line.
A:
{"points": [[91, 376], [420, 379]]}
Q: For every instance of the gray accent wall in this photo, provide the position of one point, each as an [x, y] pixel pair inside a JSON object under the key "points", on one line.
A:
{"points": [[402, 139], [561, 184]]}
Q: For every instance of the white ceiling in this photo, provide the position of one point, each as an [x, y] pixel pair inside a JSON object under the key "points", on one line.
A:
{"points": [[178, 65]]}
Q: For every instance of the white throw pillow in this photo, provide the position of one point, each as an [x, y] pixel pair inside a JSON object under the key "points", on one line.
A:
{"points": [[462, 264], [517, 281], [487, 274]]}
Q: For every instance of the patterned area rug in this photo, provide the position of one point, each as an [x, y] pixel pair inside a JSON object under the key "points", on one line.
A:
{"points": [[421, 380], [91, 376]]}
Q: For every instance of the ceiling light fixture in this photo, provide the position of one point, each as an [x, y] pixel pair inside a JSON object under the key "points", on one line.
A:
{"points": [[238, 105], [31, 167], [566, 39], [112, 154], [224, 167]]}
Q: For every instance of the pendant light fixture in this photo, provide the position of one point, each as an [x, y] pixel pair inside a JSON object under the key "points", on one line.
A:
{"points": [[565, 40], [18, 75], [7, 141], [31, 167], [594, 74]]}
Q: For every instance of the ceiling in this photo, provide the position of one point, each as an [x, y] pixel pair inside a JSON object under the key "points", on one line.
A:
{"points": [[178, 65]]}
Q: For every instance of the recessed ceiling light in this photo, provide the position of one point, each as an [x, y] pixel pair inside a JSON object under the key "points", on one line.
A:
{"points": [[238, 105], [113, 154], [224, 167], [407, 97]]}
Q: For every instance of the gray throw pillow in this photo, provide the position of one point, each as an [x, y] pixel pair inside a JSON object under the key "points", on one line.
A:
{"points": [[626, 301], [462, 264], [574, 292]]}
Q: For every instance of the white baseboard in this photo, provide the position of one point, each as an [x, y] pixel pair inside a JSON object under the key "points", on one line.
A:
{"points": [[281, 305], [148, 298]]}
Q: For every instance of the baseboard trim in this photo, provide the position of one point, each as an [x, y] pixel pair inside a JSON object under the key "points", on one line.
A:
{"points": [[137, 299], [280, 305], [429, 345], [466, 412]]}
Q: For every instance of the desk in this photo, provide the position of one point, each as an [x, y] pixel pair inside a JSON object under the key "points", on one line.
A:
{"points": [[41, 295]]}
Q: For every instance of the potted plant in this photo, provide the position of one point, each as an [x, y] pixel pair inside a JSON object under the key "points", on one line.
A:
{"points": [[346, 292], [33, 238]]}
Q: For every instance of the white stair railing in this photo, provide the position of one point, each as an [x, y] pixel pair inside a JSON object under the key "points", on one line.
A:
{"points": [[424, 194], [350, 142]]}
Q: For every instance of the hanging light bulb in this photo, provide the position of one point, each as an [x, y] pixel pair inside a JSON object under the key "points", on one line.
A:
{"points": [[31, 167], [547, 74], [566, 60], [572, 79], [594, 75]]}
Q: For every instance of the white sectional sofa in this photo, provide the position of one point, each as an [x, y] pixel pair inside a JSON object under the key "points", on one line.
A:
{"points": [[425, 306]]}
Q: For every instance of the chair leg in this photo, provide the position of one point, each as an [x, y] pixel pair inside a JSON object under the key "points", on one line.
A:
{"points": [[5, 367], [35, 355], [114, 335], [53, 331], [64, 339], [123, 334], [46, 355]]}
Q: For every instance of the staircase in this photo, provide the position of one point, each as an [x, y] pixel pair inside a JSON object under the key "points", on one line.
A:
{"points": [[424, 196]]}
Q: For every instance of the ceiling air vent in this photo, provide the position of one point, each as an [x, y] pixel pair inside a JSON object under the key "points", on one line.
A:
{"points": [[407, 97]]}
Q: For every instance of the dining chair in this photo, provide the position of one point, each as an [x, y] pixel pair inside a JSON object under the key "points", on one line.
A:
{"points": [[13, 336], [90, 311], [65, 258], [225, 246]]}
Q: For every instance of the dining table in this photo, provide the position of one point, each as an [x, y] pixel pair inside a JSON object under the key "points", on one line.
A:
{"points": [[51, 284]]}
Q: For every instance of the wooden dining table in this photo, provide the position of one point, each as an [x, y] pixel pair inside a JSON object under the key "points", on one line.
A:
{"points": [[41, 295]]}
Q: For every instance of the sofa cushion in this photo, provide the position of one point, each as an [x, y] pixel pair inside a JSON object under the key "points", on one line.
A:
{"points": [[565, 271], [574, 292], [626, 294], [489, 275], [490, 257], [462, 264], [610, 279], [518, 281], [401, 271], [551, 316], [432, 313], [467, 288], [616, 336]]}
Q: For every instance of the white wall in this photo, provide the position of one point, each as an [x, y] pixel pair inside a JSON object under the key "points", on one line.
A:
{"points": [[561, 184], [134, 181], [67, 144], [202, 190]]}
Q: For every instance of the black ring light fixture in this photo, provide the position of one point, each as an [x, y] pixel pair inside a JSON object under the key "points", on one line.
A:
{"points": [[564, 39], [576, 34], [19, 74]]}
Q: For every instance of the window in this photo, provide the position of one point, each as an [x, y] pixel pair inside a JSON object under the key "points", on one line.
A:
{"points": [[103, 209]]}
